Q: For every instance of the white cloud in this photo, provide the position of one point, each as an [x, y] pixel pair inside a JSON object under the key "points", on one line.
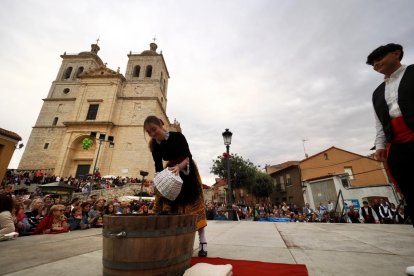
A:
{"points": [[274, 72]]}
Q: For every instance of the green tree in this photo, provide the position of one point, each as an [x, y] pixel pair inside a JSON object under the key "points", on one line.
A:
{"points": [[242, 172], [262, 187]]}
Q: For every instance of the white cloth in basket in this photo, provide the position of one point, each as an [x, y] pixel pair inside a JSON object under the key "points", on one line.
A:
{"points": [[204, 269], [168, 184]]}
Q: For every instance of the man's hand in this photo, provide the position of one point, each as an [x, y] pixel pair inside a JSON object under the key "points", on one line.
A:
{"points": [[381, 155]]}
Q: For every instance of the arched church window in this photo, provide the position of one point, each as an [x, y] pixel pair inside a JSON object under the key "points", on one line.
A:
{"points": [[80, 70], [137, 68], [67, 73], [148, 71], [55, 120]]}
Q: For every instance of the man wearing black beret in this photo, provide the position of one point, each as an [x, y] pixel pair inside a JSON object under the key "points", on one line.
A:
{"points": [[393, 102]]}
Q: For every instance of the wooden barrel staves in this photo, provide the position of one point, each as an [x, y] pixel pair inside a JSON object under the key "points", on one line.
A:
{"points": [[147, 245]]}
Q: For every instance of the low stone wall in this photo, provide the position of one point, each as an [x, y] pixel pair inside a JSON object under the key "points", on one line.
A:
{"points": [[109, 194]]}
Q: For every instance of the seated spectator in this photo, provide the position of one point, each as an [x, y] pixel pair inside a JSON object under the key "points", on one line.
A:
{"points": [[74, 202], [22, 224], [109, 209], [144, 209], [75, 219], [327, 218], [293, 217], [385, 212], [135, 206], [301, 218], [322, 209], [86, 207], [53, 223], [124, 208], [307, 211], [48, 201], [295, 209], [368, 214], [211, 211], [314, 217], [262, 216], [285, 209], [353, 215], [6, 219], [36, 213], [220, 214], [96, 213], [67, 210]]}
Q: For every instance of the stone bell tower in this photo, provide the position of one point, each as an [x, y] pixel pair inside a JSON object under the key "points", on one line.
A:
{"points": [[87, 97]]}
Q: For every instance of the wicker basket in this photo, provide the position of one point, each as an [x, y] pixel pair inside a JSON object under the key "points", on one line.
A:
{"points": [[168, 184]]}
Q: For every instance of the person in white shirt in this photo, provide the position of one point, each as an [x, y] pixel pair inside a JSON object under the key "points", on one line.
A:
{"points": [[393, 102], [385, 212]]}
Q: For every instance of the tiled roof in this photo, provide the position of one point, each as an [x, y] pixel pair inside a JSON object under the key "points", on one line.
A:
{"points": [[275, 168], [10, 134]]}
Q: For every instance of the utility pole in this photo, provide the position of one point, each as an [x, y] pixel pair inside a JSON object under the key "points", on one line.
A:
{"points": [[304, 150]]}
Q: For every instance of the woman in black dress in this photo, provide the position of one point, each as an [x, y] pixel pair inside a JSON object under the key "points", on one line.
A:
{"points": [[173, 148]]}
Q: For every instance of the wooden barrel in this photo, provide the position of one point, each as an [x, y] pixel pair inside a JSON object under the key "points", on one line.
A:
{"points": [[147, 245]]}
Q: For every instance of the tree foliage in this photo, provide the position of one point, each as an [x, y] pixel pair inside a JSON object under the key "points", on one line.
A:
{"points": [[243, 174], [263, 186]]}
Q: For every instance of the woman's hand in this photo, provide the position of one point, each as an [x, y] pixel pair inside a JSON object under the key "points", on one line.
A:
{"points": [[176, 169]]}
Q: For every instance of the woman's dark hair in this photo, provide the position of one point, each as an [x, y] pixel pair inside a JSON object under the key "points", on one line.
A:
{"points": [[84, 204], [6, 203], [155, 121], [76, 208], [382, 51]]}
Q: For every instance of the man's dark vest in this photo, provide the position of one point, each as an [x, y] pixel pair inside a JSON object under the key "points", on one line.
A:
{"points": [[368, 217], [383, 211], [405, 102]]}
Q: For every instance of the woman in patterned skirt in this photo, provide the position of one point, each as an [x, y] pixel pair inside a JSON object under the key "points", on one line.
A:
{"points": [[173, 148]]}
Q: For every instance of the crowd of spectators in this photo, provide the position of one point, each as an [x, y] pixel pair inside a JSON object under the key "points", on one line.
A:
{"points": [[18, 182], [51, 214], [38, 213], [381, 212]]}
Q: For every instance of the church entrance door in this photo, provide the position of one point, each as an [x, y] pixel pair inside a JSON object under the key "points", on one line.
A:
{"points": [[82, 170]]}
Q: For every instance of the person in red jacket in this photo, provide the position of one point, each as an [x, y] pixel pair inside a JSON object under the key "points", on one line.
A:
{"points": [[53, 223]]}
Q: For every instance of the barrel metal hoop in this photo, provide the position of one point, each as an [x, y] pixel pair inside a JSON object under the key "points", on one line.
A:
{"points": [[146, 265], [149, 233]]}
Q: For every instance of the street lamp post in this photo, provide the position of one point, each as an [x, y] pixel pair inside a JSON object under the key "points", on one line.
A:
{"points": [[143, 174], [227, 141], [102, 138]]}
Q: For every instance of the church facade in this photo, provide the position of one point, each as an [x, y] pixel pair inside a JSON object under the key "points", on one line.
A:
{"points": [[88, 98]]}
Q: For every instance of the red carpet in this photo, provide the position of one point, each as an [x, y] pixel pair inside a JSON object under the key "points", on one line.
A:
{"points": [[244, 268]]}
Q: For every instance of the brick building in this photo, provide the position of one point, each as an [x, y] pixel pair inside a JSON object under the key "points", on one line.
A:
{"points": [[8, 144]]}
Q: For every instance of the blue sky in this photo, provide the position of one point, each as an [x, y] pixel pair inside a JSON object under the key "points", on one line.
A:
{"points": [[273, 72]]}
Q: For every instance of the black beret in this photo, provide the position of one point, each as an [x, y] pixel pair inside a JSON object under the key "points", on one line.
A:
{"points": [[382, 51]]}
